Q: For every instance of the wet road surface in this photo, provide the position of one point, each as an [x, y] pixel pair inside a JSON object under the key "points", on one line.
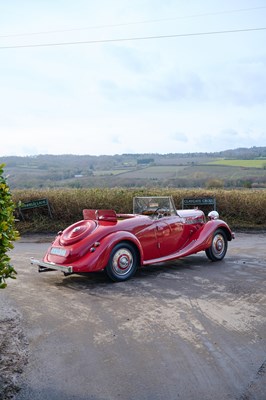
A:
{"points": [[189, 329]]}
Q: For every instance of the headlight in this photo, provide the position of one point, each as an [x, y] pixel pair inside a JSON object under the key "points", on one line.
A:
{"points": [[213, 215]]}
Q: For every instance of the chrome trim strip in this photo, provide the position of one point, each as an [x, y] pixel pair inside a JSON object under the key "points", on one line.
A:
{"points": [[62, 268]]}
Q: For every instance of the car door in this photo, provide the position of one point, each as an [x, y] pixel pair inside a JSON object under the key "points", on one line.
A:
{"points": [[169, 233]]}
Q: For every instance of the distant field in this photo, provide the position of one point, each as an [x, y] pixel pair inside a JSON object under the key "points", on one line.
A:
{"points": [[172, 170], [109, 172], [155, 172], [241, 163]]}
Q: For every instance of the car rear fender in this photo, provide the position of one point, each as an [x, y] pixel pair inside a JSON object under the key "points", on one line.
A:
{"points": [[108, 243]]}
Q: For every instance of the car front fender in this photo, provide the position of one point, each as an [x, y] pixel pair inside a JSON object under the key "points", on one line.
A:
{"points": [[204, 236]]}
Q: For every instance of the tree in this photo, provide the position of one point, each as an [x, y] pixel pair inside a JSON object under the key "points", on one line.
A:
{"points": [[8, 233], [214, 184]]}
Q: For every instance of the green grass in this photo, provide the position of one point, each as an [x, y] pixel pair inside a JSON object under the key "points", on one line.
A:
{"points": [[240, 163]]}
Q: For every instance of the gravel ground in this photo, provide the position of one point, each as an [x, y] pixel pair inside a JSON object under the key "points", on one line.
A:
{"points": [[13, 350], [13, 342]]}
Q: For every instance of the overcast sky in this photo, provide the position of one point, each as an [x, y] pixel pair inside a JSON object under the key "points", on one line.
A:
{"points": [[196, 93]]}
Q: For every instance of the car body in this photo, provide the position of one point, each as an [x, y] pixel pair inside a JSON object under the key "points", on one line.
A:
{"points": [[118, 243]]}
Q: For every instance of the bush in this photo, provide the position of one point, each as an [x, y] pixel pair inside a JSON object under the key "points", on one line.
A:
{"points": [[8, 232], [242, 209], [214, 184]]}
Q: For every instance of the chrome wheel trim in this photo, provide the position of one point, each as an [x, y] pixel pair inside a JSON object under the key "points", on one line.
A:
{"points": [[218, 245], [122, 262]]}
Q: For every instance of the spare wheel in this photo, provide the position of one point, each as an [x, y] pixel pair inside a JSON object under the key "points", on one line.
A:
{"points": [[77, 231]]}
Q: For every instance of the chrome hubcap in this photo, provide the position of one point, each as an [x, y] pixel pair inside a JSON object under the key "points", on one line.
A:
{"points": [[218, 245], [122, 262]]}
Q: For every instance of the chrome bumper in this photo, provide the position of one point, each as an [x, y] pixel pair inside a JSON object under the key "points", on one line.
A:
{"points": [[45, 267]]}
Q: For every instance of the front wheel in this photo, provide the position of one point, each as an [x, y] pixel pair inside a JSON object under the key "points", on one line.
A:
{"points": [[122, 264], [218, 248]]}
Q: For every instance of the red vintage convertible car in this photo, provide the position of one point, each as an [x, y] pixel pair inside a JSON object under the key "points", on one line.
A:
{"points": [[118, 243]]}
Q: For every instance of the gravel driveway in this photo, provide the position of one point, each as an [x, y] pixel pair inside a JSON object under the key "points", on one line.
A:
{"points": [[188, 330]]}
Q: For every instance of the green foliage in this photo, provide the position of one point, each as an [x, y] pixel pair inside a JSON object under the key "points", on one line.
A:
{"points": [[8, 232]]}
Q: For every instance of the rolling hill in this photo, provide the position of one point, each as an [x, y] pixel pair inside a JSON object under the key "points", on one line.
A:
{"points": [[243, 167]]}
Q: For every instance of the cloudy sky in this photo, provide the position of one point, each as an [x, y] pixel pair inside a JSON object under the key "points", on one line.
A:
{"points": [[172, 89]]}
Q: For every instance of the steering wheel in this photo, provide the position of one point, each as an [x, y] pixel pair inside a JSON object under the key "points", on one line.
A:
{"points": [[161, 212]]}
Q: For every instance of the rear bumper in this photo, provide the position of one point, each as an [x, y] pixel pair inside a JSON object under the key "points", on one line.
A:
{"points": [[45, 267]]}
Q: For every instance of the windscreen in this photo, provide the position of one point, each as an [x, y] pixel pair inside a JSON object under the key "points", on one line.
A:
{"points": [[149, 205]]}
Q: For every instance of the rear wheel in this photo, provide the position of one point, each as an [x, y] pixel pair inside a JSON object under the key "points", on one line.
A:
{"points": [[122, 264], [218, 248]]}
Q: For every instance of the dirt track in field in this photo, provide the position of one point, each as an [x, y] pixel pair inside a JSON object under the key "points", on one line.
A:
{"points": [[188, 330]]}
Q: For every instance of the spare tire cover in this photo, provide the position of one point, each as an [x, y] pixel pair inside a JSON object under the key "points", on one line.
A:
{"points": [[77, 231]]}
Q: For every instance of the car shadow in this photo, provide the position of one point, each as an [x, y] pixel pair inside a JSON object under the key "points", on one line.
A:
{"points": [[98, 282]]}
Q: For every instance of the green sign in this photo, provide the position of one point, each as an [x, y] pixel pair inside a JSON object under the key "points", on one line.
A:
{"points": [[199, 201], [34, 204], [29, 205], [204, 201]]}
